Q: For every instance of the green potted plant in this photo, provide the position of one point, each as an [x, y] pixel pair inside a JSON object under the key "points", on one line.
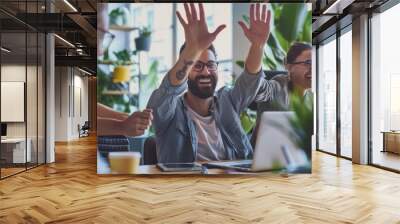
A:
{"points": [[120, 17], [143, 41]]}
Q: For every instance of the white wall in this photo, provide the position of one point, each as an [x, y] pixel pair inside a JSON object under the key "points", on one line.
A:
{"points": [[62, 81], [80, 103], [71, 94]]}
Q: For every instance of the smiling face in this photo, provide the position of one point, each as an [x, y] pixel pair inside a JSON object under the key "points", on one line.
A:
{"points": [[203, 77], [300, 74]]}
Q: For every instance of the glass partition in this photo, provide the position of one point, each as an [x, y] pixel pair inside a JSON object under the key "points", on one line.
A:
{"points": [[14, 151], [327, 96], [22, 87], [346, 94], [385, 89]]}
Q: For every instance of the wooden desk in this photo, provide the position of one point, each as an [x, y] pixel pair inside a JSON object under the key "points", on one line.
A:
{"points": [[391, 141], [153, 169], [17, 150], [103, 167]]}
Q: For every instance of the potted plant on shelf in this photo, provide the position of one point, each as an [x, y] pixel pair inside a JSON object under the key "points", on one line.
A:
{"points": [[122, 65], [120, 17], [143, 41]]}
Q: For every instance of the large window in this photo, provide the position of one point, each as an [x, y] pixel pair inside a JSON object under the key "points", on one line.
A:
{"points": [[217, 14], [346, 93], [327, 96], [385, 89], [158, 18]]}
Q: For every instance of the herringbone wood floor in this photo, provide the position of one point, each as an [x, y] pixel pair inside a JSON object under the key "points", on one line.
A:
{"points": [[70, 191]]}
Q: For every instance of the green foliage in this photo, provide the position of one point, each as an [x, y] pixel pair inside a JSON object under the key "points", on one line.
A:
{"points": [[148, 84], [115, 13], [240, 63], [247, 121], [291, 27], [302, 123], [145, 32], [123, 57], [119, 16]]}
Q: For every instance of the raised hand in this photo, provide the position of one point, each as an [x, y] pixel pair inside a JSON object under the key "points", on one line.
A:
{"points": [[259, 29], [197, 36]]}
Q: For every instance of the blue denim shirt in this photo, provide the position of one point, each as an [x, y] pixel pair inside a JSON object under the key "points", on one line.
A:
{"points": [[176, 137]]}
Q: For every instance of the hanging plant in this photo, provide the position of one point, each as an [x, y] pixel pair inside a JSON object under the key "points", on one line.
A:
{"points": [[144, 40]]}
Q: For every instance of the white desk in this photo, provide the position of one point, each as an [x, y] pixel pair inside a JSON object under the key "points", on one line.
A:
{"points": [[18, 150]]}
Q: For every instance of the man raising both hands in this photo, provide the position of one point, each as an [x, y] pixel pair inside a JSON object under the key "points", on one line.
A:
{"points": [[201, 124]]}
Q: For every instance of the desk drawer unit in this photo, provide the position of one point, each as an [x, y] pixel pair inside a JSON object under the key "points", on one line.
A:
{"points": [[392, 142], [13, 151]]}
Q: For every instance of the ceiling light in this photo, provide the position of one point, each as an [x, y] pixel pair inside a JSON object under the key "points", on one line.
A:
{"points": [[70, 5], [65, 41], [5, 50], [337, 7], [84, 71]]}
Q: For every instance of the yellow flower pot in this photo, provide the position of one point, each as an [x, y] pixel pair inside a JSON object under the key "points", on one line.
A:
{"points": [[121, 74]]}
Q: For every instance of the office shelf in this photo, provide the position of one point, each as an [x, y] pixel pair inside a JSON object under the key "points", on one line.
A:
{"points": [[123, 28], [110, 62]]}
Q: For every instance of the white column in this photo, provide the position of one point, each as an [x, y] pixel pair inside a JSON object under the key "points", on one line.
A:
{"points": [[50, 100], [360, 90], [314, 89]]}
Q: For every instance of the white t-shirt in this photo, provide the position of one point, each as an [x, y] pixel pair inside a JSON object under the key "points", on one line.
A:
{"points": [[210, 146]]}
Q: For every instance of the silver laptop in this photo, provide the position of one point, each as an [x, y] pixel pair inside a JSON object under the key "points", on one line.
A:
{"points": [[274, 149]]}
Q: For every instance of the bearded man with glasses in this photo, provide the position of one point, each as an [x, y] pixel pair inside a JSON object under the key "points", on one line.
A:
{"points": [[193, 122]]}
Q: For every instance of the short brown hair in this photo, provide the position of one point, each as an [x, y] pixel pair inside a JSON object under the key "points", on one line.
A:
{"points": [[295, 50]]}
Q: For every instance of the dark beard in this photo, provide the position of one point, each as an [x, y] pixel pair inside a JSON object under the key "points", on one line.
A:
{"points": [[200, 92]]}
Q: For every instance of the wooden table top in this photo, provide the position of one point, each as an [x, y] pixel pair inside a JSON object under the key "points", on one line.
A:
{"points": [[104, 168]]}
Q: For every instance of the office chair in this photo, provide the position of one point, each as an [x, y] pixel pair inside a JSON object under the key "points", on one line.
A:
{"points": [[150, 151]]}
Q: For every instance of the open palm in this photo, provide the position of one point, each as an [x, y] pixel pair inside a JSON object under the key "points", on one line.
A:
{"points": [[197, 36], [259, 29]]}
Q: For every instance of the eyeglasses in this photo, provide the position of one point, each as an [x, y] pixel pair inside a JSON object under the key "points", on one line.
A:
{"points": [[306, 62], [212, 66]]}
